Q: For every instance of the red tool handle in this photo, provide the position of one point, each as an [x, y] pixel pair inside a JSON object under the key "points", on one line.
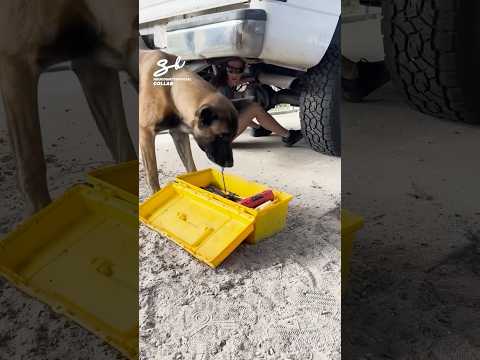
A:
{"points": [[258, 199]]}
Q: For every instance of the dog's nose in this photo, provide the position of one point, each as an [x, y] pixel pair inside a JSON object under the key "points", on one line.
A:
{"points": [[228, 163]]}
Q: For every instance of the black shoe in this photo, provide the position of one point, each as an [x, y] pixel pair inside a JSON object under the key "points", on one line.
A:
{"points": [[293, 137], [260, 132], [371, 76]]}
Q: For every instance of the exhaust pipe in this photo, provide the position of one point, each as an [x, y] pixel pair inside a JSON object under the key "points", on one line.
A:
{"points": [[280, 81], [287, 97]]}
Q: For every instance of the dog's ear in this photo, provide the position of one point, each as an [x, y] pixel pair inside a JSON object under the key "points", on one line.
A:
{"points": [[206, 116]]}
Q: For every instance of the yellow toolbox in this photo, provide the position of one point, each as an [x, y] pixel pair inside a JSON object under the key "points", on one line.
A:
{"points": [[207, 225], [80, 255], [351, 223]]}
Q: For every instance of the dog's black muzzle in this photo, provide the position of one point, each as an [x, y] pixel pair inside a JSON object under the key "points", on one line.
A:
{"points": [[220, 152]]}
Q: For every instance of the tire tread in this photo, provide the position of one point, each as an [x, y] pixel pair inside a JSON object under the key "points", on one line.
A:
{"points": [[319, 109], [420, 41]]}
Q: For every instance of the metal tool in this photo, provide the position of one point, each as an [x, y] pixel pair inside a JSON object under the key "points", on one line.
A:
{"points": [[223, 178], [227, 195]]}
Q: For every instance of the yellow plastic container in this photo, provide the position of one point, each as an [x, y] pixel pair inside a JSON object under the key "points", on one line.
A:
{"points": [[201, 224], [207, 225], [268, 221], [77, 255], [121, 180], [351, 223]]}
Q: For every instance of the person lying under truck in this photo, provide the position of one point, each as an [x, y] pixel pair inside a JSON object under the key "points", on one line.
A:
{"points": [[229, 81]]}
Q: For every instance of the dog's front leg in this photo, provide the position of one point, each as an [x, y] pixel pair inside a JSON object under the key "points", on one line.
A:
{"points": [[147, 152], [18, 82], [101, 86], [182, 143]]}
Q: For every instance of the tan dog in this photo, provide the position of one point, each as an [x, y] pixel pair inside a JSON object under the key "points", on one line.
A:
{"points": [[189, 106], [99, 38]]}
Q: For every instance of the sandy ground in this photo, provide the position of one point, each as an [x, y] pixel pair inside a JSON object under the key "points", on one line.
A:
{"points": [[415, 285], [279, 299], [73, 146]]}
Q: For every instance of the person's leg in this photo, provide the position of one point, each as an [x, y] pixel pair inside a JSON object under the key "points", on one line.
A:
{"points": [[361, 78], [255, 125], [349, 69], [245, 119], [255, 111]]}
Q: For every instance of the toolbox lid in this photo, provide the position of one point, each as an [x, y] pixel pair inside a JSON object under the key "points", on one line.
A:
{"points": [[204, 224], [77, 255], [120, 179]]}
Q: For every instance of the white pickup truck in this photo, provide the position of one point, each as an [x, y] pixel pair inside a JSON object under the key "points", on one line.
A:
{"points": [[292, 48]]}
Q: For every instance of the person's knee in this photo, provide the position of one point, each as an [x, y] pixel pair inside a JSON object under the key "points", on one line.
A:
{"points": [[255, 108], [258, 107]]}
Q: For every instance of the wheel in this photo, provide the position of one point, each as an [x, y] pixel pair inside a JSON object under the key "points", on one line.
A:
{"points": [[320, 102], [427, 49]]}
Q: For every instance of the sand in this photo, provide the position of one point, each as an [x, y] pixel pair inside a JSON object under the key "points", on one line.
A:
{"points": [[279, 299], [415, 286], [73, 146]]}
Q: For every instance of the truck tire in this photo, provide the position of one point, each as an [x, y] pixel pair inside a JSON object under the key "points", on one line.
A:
{"points": [[425, 52], [320, 102]]}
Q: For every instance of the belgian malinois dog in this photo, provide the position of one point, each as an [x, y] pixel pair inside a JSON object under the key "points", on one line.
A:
{"points": [[186, 105], [99, 38]]}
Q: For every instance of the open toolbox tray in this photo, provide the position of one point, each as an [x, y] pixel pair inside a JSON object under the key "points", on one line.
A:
{"points": [[207, 225], [77, 255]]}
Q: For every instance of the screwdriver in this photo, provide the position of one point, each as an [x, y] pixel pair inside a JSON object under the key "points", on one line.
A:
{"points": [[223, 177]]}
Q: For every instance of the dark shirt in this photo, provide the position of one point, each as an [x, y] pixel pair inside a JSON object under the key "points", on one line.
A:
{"points": [[227, 91], [237, 101]]}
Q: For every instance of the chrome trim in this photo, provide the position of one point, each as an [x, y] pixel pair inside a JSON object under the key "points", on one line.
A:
{"points": [[215, 18], [235, 37]]}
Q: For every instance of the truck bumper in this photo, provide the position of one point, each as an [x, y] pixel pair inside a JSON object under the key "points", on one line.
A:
{"points": [[232, 33]]}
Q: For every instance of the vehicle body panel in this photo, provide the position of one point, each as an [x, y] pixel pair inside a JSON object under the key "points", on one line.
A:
{"points": [[297, 32]]}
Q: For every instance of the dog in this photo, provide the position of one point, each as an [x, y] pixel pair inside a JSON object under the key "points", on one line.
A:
{"points": [[189, 105], [35, 35]]}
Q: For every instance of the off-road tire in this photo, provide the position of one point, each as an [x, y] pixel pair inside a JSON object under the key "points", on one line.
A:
{"points": [[425, 53], [320, 102]]}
